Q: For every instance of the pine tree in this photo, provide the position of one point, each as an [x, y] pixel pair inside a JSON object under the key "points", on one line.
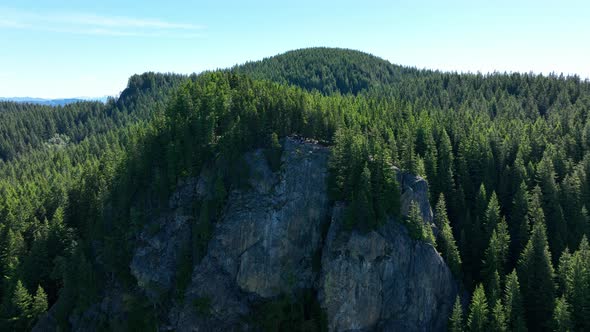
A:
{"points": [[477, 237], [492, 216], [572, 204], [535, 273], [21, 305], [417, 228], [386, 194], [519, 224], [444, 181], [575, 270], [493, 287], [535, 212], [39, 305], [363, 202], [481, 204], [456, 319], [496, 254], [478, 311], [273, 154], [498, 319], [414, 221], [446, 242], [562, 316], [513, 304], [564, 271], [556, 226]]}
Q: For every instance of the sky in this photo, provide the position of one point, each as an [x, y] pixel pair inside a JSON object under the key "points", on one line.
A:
{"points": [[59, 49]]}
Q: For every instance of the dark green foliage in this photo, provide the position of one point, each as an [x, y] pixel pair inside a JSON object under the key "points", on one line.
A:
{"points": [[574, 282], [39, 304], [493, 290], [518, 223], [20, 304], [478, 320], [535, 273], [498, 318], [273, 153], [513, 304], [456, 323], [562, 318], [362, 173], [491, 216], [496, 255], [554, 220], [445, 243], [361, 212], [417, 228], [326, 70]]}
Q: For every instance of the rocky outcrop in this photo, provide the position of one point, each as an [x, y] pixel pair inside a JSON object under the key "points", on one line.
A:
{"points": [[282, 235], [383, 280], [163, 240], [265, 242]]}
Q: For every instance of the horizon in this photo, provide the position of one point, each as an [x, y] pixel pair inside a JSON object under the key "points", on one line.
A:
{"points": [[61, 50]]}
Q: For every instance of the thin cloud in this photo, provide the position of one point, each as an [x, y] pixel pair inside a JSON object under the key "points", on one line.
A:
{"points": [[91, 24], [125, 22]]}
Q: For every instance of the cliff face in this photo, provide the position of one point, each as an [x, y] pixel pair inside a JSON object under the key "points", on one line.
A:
{"points": [[383, 280], [281, 235], [265, 242]]}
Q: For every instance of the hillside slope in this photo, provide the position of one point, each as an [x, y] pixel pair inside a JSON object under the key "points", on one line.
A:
{"points": [[327, 70], [507, 158]]}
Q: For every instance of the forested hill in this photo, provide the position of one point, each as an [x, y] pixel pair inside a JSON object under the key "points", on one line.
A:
{"points": [[25, 127], [327, 70], [506, 156]]}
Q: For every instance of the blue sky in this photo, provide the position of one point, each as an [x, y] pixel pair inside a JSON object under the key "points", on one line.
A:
{"points": [[69, 48]]}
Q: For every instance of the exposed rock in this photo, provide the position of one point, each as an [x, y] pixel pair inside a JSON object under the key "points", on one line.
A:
{"points": [[383, 280], [265, 242], [162, 241], [414, 189]]}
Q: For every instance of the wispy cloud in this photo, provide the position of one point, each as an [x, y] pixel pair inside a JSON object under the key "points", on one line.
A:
{"points": [[92, 24]]}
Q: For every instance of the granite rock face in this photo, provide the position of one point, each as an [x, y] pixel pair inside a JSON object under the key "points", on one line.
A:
{"points": [[265, 241], [163, 240], [383, 280]]}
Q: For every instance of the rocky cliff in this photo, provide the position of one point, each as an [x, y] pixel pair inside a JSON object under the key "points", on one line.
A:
{"points": [[383, 280], [282, 235]]}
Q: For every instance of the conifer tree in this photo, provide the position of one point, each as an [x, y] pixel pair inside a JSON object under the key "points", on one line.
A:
{"points": [[492, 216], [556, 226], [446, 242], [498, 319], [493, 288], [478, 311], [456, 320], [535, 272], [562, 318], [519, 225], [21, 306], [444, 181], [575, 269], [513, 304], [39, 303], [496, 254]]}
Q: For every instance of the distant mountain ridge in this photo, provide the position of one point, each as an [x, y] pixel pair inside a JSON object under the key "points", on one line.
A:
{"points": [[52, 102]]}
